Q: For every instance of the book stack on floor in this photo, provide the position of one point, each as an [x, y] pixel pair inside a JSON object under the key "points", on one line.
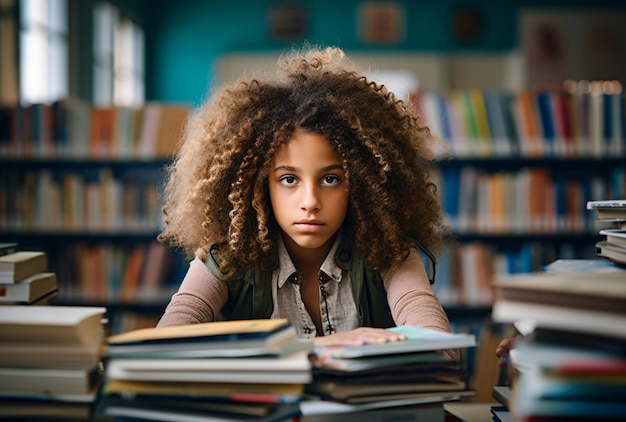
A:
{"points": [[570, 362], [50, 361], [24, 279], [613, 247], [401, 381], [228, 371]]}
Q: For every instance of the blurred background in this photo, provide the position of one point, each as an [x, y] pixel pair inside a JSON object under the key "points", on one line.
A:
{"points": [[524, 98], [129, 51]]}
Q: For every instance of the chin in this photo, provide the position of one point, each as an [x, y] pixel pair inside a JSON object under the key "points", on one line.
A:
{"points": [[310, 242]]}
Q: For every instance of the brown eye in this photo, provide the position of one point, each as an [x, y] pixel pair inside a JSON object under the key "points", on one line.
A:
{"points": [[288, 180], [331, 180]]}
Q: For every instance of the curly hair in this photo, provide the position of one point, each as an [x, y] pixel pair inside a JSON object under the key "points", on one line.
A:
{"points": [[216, 196]]}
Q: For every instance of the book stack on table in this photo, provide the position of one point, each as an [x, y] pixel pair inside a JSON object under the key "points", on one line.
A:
{"points": [[228, 371], [402, 381], [24, 279], [570, 361], [50, 361], [613, 247]]}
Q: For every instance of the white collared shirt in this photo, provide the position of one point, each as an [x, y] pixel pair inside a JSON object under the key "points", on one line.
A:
{"points": [[337, 307]]}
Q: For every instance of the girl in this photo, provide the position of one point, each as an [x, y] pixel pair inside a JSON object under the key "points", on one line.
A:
{"points": [[306, 197]]}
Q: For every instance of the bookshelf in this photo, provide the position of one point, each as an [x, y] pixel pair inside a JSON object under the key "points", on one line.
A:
{"points": [[93, 207], [514, 172]]}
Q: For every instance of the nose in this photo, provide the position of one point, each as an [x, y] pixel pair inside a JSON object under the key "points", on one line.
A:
{"points": [[310, 199]]}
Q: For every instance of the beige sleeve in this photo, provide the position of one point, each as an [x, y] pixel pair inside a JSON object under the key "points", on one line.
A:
{"points": [[412, 300], [199, 298]]}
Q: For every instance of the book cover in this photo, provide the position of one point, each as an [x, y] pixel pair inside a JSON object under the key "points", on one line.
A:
{"points": [[334, 364], [209, 331], [29, 289], [537, 395], [546, 122], [609, 210], [481, 122], [20, 265], [172, 124], [213, 339], [582, 266], [609, 203], [502, 393], [495, 110], [8, 248], [530, 142], [417, 339]]}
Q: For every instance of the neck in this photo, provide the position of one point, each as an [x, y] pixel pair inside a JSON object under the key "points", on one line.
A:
{"points": [[308, 260]]}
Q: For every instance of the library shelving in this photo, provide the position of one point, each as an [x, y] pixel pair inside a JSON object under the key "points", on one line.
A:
{"points": [[514, 172], [97, 220], [93, 207]]}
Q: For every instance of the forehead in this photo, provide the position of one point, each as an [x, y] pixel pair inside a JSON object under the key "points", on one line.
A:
{"points": [[306, 148]]}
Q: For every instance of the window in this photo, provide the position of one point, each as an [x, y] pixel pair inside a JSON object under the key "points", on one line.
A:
{"points": [[128, 89], [116, 53], [43, 51], [118, 58]]}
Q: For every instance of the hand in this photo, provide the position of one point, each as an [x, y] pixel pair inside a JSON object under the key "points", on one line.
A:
{"points": [[502, 351], [358, 337]]}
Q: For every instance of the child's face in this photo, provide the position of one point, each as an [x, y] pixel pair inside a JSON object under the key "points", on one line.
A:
{"points": [[308, 190]]}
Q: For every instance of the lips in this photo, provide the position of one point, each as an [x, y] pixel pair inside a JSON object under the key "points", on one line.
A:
{"points": [[309, 225], [311, 222]]}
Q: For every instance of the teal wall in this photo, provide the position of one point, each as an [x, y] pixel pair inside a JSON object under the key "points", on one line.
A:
{"points": [[184, 37]]}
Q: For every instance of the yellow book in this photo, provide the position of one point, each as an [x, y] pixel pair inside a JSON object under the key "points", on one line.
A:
{"points": [[481, 122], [210, 339]]}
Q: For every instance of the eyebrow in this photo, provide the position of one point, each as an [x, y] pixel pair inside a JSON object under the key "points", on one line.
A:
{"points": [[324, 169]]}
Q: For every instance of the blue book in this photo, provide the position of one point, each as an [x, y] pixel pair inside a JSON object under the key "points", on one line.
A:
{"points": [[418, 339], [451, 192], [547, 121]]}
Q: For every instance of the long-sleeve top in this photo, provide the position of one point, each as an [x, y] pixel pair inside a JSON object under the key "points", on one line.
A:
{"points": [[410, 297]]}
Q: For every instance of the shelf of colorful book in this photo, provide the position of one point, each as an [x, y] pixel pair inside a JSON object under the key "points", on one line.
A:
{"points": [[110, 269], [81, 196], [76, 129], [585, 119], [469, 263], [526, 196]]}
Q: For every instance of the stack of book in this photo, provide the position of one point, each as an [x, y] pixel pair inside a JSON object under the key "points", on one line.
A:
{"points": [[408, 380], [50, 361], [501, 411], [613, 247], [570, 362], [227, 370], [24, 279]]}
